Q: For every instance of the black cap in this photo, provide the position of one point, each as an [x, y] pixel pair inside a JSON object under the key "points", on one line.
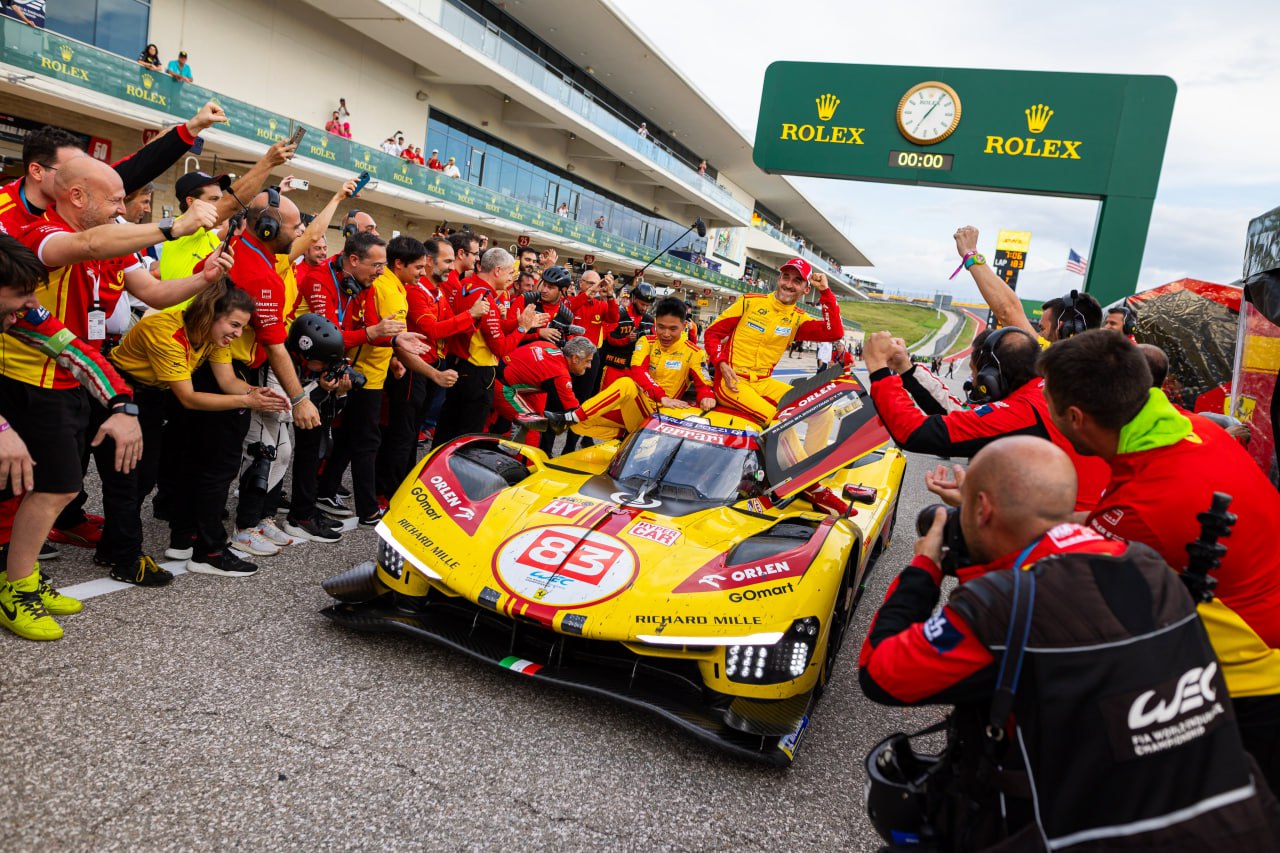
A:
{"points": [[182, 54], [192, 181]]}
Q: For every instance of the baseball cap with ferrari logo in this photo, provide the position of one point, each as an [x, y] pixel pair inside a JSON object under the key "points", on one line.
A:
{"points": [[801, 266]]}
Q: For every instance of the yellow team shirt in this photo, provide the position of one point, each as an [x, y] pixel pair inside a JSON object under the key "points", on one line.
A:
{"points": [[156, 351], [671, 368], [391, 302]]}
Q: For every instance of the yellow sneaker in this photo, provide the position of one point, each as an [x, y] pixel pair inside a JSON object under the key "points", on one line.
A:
{"points": [[22, 611], [55, 602]]}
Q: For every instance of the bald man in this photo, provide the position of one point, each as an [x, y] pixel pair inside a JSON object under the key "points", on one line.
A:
{"points": [[1119, 689], [89, 261]]}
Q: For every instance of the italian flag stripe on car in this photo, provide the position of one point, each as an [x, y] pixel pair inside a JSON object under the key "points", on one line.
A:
{"points": [[521, 665]]}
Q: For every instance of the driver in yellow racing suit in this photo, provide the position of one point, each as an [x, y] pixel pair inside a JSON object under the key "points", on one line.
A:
{"points": [[746, 342], [663, 367]]}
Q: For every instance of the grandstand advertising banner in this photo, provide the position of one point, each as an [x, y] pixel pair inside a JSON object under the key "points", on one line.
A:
{"points": [[1096, 136]]}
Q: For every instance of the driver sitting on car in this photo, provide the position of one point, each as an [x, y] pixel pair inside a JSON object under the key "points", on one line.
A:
{"points": [[663, 367], [746, 342]]}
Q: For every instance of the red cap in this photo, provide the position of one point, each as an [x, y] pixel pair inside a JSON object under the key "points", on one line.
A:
{"points": [[801, 266]]}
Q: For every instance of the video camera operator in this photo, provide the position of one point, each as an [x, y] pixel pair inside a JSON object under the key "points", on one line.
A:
{"points": [[635, 321], [1009, 395], [1089, 707], [316, 347]]}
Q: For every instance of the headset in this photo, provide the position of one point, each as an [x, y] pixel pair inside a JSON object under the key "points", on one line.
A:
{"points": [[349, 227], [1130, 318], [988, 381], [1070, 320], [267, 228]]}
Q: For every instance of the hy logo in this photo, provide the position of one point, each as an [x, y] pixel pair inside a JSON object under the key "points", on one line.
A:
{"points": [[827, 106], [1038, 118], [66, 53], [148, 81]]}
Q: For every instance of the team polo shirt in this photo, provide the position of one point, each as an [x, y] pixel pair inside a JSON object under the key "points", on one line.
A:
{"points": [[430, 315], [597, 316], [255, 272], [385, 299], [16, 213], [754, 332], [157, 351], [668, 372], [69, 295]]}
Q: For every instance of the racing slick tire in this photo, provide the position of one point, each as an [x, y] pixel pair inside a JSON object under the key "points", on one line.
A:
{"points": [[841, 615]]}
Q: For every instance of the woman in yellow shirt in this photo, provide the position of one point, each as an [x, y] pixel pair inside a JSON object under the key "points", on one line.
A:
{"points": [[161, 357]]}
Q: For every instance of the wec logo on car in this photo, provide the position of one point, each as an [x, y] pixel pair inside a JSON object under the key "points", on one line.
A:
{"points": [[1194, 689]]}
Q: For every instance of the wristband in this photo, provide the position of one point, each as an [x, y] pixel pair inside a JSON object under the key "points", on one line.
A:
{"points": [[974, 261], [293, 401], [963, 265], [393, 341], [5, 426]]}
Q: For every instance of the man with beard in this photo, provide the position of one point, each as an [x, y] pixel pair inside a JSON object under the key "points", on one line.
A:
{"points": [[747, 340]]}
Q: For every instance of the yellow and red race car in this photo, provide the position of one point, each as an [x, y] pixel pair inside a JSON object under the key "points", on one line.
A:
{"points": [[688, 569]]}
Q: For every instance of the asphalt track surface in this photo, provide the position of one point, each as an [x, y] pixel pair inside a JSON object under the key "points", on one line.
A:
{"points": [[228, 713]]}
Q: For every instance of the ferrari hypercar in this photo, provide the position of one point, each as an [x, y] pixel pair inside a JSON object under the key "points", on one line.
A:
{"points": [[701, 568]]}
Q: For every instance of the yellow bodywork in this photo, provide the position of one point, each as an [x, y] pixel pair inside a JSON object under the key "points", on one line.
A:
{"points": [[636, 576]]}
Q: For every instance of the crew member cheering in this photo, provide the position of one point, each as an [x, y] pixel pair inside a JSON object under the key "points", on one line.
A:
{"points": [[1165, 467], [635, 321], [746, 342], [663, 367], [1012, 397]]}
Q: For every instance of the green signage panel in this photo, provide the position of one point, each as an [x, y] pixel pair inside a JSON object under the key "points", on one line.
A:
{"points": [[1079, 135]]}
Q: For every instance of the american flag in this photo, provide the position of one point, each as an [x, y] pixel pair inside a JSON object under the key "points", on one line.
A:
{"points": [[1075, 263]]}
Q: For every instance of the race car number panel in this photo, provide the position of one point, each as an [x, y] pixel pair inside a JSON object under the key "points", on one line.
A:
{"points": [[558, 566]]}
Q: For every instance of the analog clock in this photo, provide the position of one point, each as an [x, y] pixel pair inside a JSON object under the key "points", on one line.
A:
{"points": [[928, 113]]}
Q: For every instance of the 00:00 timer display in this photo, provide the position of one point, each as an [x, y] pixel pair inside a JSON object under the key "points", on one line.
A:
{"points": [[920, 160]]}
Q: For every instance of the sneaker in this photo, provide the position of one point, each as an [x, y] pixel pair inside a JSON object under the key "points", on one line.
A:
{"points": [[373, 518], [144, 571], [274, 534], [82, 536], [425, 435], [55, 602], [180, 547], [383, 503], [223, 563], [23, 611], [311, 530], [251, 541], [179, 553], [95, 520], [344, 493], [48, 551], [333, 506]]}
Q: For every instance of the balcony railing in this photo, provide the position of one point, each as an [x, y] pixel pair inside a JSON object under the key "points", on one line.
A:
{"points": [[106, 74], [804, 252], [485, 37]]}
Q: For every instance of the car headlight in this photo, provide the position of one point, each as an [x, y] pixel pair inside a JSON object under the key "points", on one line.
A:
{"points": [[391, 560], [783, 661]]}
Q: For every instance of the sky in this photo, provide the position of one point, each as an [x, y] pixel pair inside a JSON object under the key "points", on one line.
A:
{"points": [[1221, 167]]}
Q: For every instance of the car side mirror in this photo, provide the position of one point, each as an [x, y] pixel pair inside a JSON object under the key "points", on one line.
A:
{"points": [[860, 494]]}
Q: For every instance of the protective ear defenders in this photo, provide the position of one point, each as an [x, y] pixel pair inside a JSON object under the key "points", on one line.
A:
{"points": [[267, 228], [1130, 319], [349, 226], [1070, 320], [988, 383], [349, 285]]}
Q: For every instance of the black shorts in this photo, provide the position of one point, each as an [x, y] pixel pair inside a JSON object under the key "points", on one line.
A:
{"points": [[53, 423]]}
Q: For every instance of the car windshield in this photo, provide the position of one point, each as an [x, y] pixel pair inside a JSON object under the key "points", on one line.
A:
{"points": [[689, 462]]}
